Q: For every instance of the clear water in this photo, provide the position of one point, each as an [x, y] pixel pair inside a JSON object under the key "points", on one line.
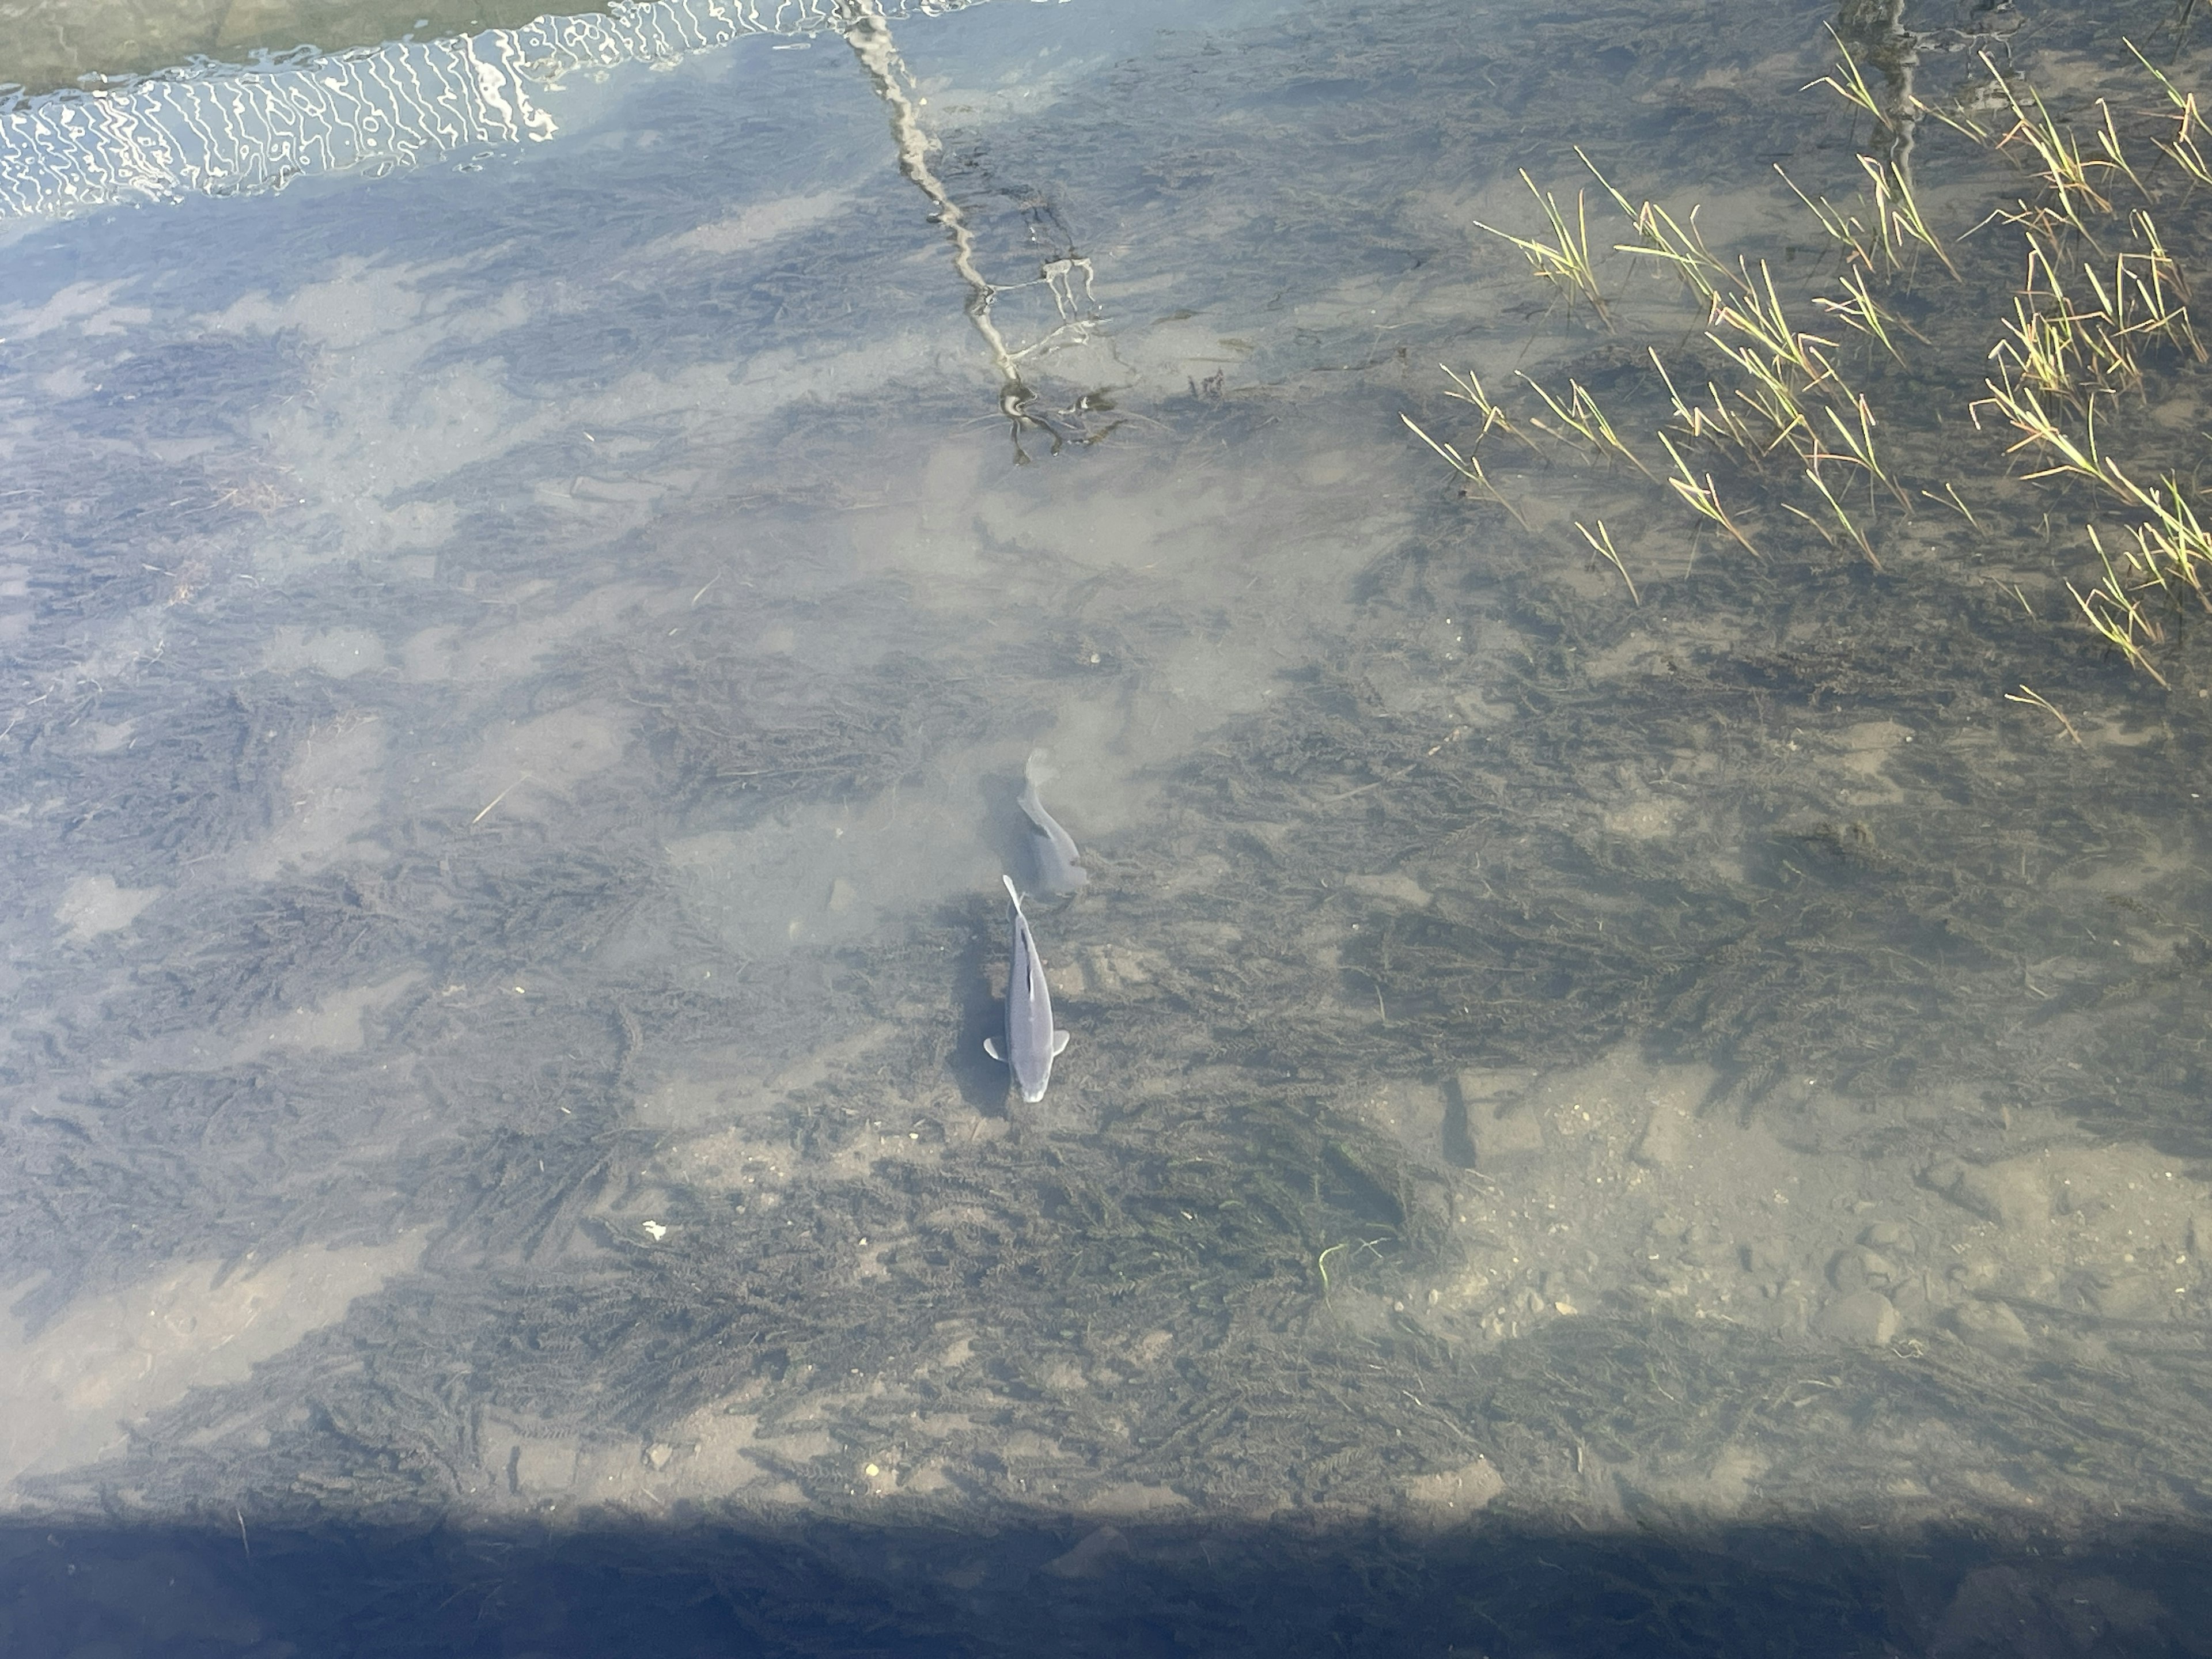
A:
{"points": [[535, 564]]}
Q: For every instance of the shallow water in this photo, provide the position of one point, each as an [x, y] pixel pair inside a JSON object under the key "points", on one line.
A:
{"points": [[1591, 1124], [50, 44]]}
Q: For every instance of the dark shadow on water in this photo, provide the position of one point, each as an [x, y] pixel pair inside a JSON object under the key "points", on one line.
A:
{"points": [[696, 1587], [982, 1080], [999, 815]]}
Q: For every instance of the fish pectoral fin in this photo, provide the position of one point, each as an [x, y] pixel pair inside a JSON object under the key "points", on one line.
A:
{"points": [[1059, 1044], [991, 1047]]}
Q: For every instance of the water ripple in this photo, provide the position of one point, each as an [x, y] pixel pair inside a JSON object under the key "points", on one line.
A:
{"points": [[220, 129]]}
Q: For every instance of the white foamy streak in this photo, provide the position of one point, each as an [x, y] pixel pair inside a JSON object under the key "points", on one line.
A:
{"points": [[219, 129]]}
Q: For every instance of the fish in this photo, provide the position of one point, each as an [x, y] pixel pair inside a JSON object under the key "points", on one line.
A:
{"points": [[1059, 867], [1032, 1044]]}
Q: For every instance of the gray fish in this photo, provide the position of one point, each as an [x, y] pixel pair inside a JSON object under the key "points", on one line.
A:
{"points": [[1031, 1043], [1060, 868]]}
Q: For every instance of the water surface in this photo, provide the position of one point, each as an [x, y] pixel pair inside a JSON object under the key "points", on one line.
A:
{"points": [[1590, 1125]]}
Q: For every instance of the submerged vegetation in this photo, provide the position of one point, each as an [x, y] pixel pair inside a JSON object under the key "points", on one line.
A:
{"points": [[1765, 419]]}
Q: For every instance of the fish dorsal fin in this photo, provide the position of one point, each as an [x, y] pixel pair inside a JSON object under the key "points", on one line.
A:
{"points": [[1059, 1043], [991, 1047]]}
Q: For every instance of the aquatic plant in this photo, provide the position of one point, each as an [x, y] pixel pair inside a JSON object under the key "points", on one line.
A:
{"points": [[1564, 261], [2100, 302], [1602, 545]]}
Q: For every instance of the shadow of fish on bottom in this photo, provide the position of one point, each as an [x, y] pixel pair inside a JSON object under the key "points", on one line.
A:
{"points": [[1059, 866], [1032, 1044]]}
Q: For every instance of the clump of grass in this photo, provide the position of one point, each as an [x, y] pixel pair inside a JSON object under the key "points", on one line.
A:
{"points": [[2070, 193], [2104, 301], [1849, 82], [2117, 613], [1857, 437], [1721, 424], [1468, 467], [1964, 512], [2171, 546], [1601, 543], [1861, 245], [2182, 149], [1850, 528], [1467, 389], [1564, 261], [2035, 699], [1897, 219], [1702, 497], [1859, 309], [2023, 410], [1680, 246], [1465, 468], [1581, 417]]}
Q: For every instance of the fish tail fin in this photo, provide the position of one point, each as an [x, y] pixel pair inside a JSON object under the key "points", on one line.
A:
{"points": [[1038, 770], [1012, 892]]}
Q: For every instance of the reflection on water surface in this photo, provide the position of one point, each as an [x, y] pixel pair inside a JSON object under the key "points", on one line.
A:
{"points": [[1582, 1115], [48, 44], [219, 129]]}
